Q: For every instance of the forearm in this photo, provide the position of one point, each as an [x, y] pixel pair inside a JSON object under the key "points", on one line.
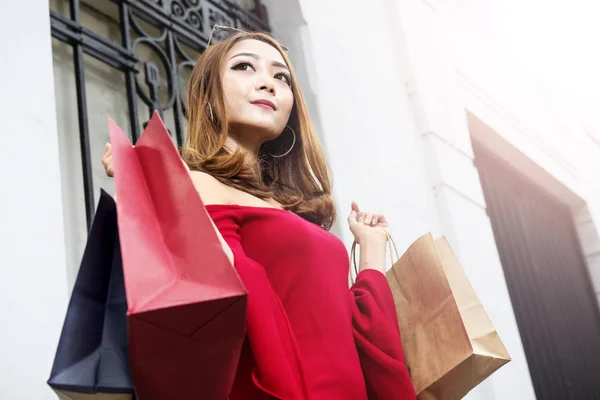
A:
{"points": [[372, 254]]}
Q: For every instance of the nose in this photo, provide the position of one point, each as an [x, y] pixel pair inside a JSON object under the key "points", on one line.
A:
{"points": [[265, 83]]}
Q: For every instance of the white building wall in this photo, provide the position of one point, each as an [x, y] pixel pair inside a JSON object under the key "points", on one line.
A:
{"points": [[33, 282], [523, 120], [350, 74], [460, 205], [397, 138]]}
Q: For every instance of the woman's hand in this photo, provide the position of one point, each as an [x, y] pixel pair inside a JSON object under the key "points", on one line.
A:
{"points": [[366, 226], [107, 160], [370, 231]]}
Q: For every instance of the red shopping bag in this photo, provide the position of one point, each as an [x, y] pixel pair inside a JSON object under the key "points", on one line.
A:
{"points": [[186, 303]]}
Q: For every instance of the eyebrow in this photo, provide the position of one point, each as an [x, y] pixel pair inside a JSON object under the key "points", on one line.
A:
{"points": [[256, 56]]}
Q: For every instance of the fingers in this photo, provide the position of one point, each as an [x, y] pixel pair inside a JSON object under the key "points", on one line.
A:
{"points": [[375, 220], [107, 150], [109, 169], [352, 217], [107, 160], [355, 215], [107, 153], [359, 216], [370, 219], [366, 218]]}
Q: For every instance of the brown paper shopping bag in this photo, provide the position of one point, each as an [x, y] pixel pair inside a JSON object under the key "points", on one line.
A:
{"points": [[449, 342]]}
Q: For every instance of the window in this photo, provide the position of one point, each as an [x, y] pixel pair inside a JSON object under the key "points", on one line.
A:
{"points": [[147, 56], [124, 59]]}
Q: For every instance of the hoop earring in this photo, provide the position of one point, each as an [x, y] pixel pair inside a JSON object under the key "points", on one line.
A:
{"points": [[293, 144], [210, 112]]}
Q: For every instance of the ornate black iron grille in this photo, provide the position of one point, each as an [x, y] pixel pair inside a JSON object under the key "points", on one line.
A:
{"points": [[179, 23]]}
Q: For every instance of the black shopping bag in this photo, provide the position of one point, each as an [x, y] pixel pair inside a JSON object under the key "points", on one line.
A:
{"points": [[92, 360]]}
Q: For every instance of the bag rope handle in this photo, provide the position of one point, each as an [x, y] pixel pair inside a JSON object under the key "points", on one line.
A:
{"points": [[391, 245]]}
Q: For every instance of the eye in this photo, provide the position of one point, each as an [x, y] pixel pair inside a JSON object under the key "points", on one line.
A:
{"points": [[242, 66], [284, 78]]}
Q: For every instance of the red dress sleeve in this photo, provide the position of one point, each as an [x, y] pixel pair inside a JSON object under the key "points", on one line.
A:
{"points": [[377, 338], [278, 370]]}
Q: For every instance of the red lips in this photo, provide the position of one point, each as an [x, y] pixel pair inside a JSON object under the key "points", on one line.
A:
{"points": [[266, 103]]}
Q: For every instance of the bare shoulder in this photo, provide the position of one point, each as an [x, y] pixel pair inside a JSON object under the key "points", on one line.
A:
{"points": [[210, 189]]}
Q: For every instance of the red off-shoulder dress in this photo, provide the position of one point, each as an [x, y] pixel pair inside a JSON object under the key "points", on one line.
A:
{"points": [[309, 337]]}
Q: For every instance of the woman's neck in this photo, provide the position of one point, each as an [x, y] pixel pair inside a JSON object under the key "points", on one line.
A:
{"points": [[246, 141], [250, 152]]}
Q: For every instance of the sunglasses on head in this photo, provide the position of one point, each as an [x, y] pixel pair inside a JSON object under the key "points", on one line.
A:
{"points": [[220, 32]]}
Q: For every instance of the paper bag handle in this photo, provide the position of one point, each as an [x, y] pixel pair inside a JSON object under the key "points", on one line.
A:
{"points": [[393, 249]]}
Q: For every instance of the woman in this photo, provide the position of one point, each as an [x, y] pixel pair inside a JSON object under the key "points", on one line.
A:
{"points": [[259, 169]]}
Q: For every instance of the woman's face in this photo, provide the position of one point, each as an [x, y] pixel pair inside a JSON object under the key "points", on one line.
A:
{"points": [[257, 92]]}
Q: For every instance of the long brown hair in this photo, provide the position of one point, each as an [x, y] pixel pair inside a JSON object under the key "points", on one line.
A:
{"points": [[298, 181]]}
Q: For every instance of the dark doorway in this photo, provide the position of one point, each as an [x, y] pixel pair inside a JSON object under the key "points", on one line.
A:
{"points": [[548, 281]]}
